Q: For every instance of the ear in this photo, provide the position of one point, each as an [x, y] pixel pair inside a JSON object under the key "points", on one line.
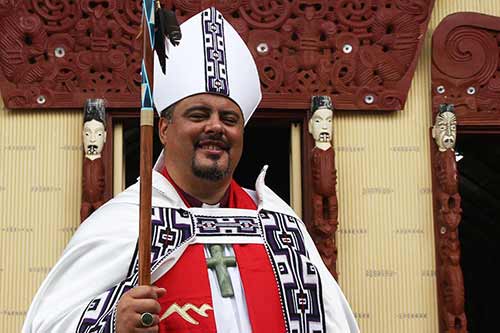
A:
{"points": [[104, 141], [162, 129], [309, 126]]}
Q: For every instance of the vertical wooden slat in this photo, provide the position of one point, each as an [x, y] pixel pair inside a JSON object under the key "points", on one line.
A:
{"points": [[295, 169], [118, 160]]}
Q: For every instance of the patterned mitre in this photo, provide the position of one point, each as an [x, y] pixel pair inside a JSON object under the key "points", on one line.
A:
{"points": [[211, 58]]}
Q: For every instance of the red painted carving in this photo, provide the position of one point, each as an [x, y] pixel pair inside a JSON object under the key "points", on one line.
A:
{"points": [[465, 73], [93, 183], [466, 68], [325, 206], [448, 216], [57, 53]]}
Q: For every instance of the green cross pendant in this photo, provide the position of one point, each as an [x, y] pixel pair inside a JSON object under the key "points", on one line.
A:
{"points": [[220, 263]]}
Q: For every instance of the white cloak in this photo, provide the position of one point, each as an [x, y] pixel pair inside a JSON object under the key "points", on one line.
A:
{"points": [[101, 253]]}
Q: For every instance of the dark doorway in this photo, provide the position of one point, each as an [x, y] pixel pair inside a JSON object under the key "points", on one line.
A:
{"points": [[266, 142], [479, 230]]}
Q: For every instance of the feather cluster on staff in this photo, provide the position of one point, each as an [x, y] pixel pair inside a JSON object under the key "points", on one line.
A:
{"points": [[153, 39]]}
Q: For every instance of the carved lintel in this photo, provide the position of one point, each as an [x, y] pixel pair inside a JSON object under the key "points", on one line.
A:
{"points": [[361, 53]]}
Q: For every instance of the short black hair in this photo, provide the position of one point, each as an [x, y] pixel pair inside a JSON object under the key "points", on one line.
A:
{"points": [[168, 112], [95, 109]]}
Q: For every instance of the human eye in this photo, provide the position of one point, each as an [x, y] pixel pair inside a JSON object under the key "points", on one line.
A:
{"points": [[230, 118], [197, 115]]}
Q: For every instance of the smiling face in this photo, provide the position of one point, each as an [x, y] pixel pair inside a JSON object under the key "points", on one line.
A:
{"points": [[203, 139]]}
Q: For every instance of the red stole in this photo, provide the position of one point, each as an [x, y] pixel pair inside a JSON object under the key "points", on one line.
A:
{"points": [[187, 282]]}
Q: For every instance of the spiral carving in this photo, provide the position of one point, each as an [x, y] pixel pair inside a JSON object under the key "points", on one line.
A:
{"points": [[468, 55], [301, 47], [465, 62]]}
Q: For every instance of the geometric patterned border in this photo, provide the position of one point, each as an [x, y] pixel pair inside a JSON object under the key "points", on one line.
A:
{"points": [[297, 278]]}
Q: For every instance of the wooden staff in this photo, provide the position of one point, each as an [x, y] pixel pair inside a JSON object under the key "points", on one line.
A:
{"points": [[153, 39], [146, 154]]}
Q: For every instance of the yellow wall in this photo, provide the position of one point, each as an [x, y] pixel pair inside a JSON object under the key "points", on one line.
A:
{"points": [[386, 240], [386, 246], [40, 190]]}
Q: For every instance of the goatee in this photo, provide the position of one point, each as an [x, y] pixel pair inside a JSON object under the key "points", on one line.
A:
{"points": [[212, 172]]}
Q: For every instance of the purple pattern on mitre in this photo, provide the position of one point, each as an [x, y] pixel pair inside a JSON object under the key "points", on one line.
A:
{"points": [[216, 76]]}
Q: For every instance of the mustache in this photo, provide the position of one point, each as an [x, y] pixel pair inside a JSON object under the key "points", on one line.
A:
{"points": [[92, 149], [212, 139]]}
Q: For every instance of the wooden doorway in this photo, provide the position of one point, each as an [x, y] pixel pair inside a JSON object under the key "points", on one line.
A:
{"points": [[478, 158]]}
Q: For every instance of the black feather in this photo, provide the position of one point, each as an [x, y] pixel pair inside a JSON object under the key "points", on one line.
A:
{"points": [[166, 26]]}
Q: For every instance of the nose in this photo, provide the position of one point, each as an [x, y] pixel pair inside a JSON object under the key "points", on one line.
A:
{"points": [[92, 137], [448, 140], [214, 124]]}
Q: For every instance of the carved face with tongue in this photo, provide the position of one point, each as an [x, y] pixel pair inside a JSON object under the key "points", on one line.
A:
{"points": [[204, 137]]}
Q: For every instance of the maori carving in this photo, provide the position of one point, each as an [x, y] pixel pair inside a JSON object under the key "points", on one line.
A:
{"points": [[94, 137], [465, 75], [324, 180], [448, 215], [58, 53], [466, 68]]}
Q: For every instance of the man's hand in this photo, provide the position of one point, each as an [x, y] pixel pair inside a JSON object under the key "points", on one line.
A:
{"points": [[133, 304]]}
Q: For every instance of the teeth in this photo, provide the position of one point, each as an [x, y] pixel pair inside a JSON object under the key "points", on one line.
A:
{"points": [[211, 147]]}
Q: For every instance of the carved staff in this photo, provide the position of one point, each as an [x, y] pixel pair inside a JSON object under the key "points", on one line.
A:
{"points": [[166, 26]]}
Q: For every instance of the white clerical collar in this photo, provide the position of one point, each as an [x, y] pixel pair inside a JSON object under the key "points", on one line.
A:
{"points": [[205, 205]]}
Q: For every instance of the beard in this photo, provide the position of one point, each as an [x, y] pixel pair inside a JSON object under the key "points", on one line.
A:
{"points": [[213, 172]]}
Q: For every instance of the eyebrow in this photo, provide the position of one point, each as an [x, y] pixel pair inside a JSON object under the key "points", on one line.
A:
{"points": [[197, 107], [201, 107]]}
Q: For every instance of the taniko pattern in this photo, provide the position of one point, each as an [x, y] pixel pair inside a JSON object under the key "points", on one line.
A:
{"points": [[297, 279], [216, 75], [170, 229], [220, 225]]}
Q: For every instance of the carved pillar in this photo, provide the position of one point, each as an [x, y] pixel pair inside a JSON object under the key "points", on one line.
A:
{"points": [[465, 85], [94, 137], [324, 222], [448, 214]]}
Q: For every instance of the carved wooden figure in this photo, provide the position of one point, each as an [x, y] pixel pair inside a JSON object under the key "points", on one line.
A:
{"points": [[448, 218], [94, 137], [324, 179]]}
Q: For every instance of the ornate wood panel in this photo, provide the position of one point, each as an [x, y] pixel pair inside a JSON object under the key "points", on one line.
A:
{"points": [[466, 68], [465, 73], [57, 53]]}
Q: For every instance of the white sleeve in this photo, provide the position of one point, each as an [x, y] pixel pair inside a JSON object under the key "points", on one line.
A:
{"points": [[96, 259], [338, 313]]}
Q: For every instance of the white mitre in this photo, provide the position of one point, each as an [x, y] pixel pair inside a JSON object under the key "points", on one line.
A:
{"points": [[211, 58]]}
